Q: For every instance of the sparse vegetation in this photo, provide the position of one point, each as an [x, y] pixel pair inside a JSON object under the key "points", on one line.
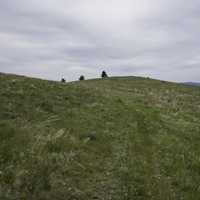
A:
{"points": [[118, 138]]}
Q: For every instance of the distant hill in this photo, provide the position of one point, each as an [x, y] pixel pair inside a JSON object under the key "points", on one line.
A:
{"points": [[192, 83], [113, 138]]}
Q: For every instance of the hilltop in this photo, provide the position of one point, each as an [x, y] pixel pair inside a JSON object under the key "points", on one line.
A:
{"points": [[118, 138]]}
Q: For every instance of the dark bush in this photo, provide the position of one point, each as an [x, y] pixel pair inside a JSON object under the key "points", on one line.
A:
{"points": [[81, 78], [63, 80], [104, 74]]}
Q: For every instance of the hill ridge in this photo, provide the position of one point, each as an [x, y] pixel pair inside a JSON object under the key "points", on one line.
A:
{"points": [[114, 138]]}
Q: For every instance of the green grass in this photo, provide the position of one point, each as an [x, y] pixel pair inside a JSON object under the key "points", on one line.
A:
{"points": [[126, 138]]}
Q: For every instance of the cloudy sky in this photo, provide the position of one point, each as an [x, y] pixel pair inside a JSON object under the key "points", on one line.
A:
{"points": [[51, 39]]}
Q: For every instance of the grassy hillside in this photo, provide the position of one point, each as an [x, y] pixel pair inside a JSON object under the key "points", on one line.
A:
{"points": [[125, 138]]}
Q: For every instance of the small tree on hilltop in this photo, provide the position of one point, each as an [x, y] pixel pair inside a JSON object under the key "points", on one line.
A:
{"points": [[104, 74], [63, 80], [82, 78]]}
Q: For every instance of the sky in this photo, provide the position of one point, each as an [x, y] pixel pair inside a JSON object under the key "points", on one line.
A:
{"points": [[51, 39]]}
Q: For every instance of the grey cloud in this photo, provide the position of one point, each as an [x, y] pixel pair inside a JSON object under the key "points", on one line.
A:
{"points": [[50, 39]]}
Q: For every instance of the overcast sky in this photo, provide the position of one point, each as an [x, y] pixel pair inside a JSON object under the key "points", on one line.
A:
{"points": [[66, 38]]}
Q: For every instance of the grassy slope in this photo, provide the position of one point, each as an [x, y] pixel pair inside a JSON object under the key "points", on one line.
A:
{"points": [[118, 138]]}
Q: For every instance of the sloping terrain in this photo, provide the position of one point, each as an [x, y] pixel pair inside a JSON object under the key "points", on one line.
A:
{"points": [[117, 138], [192, 83]]}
